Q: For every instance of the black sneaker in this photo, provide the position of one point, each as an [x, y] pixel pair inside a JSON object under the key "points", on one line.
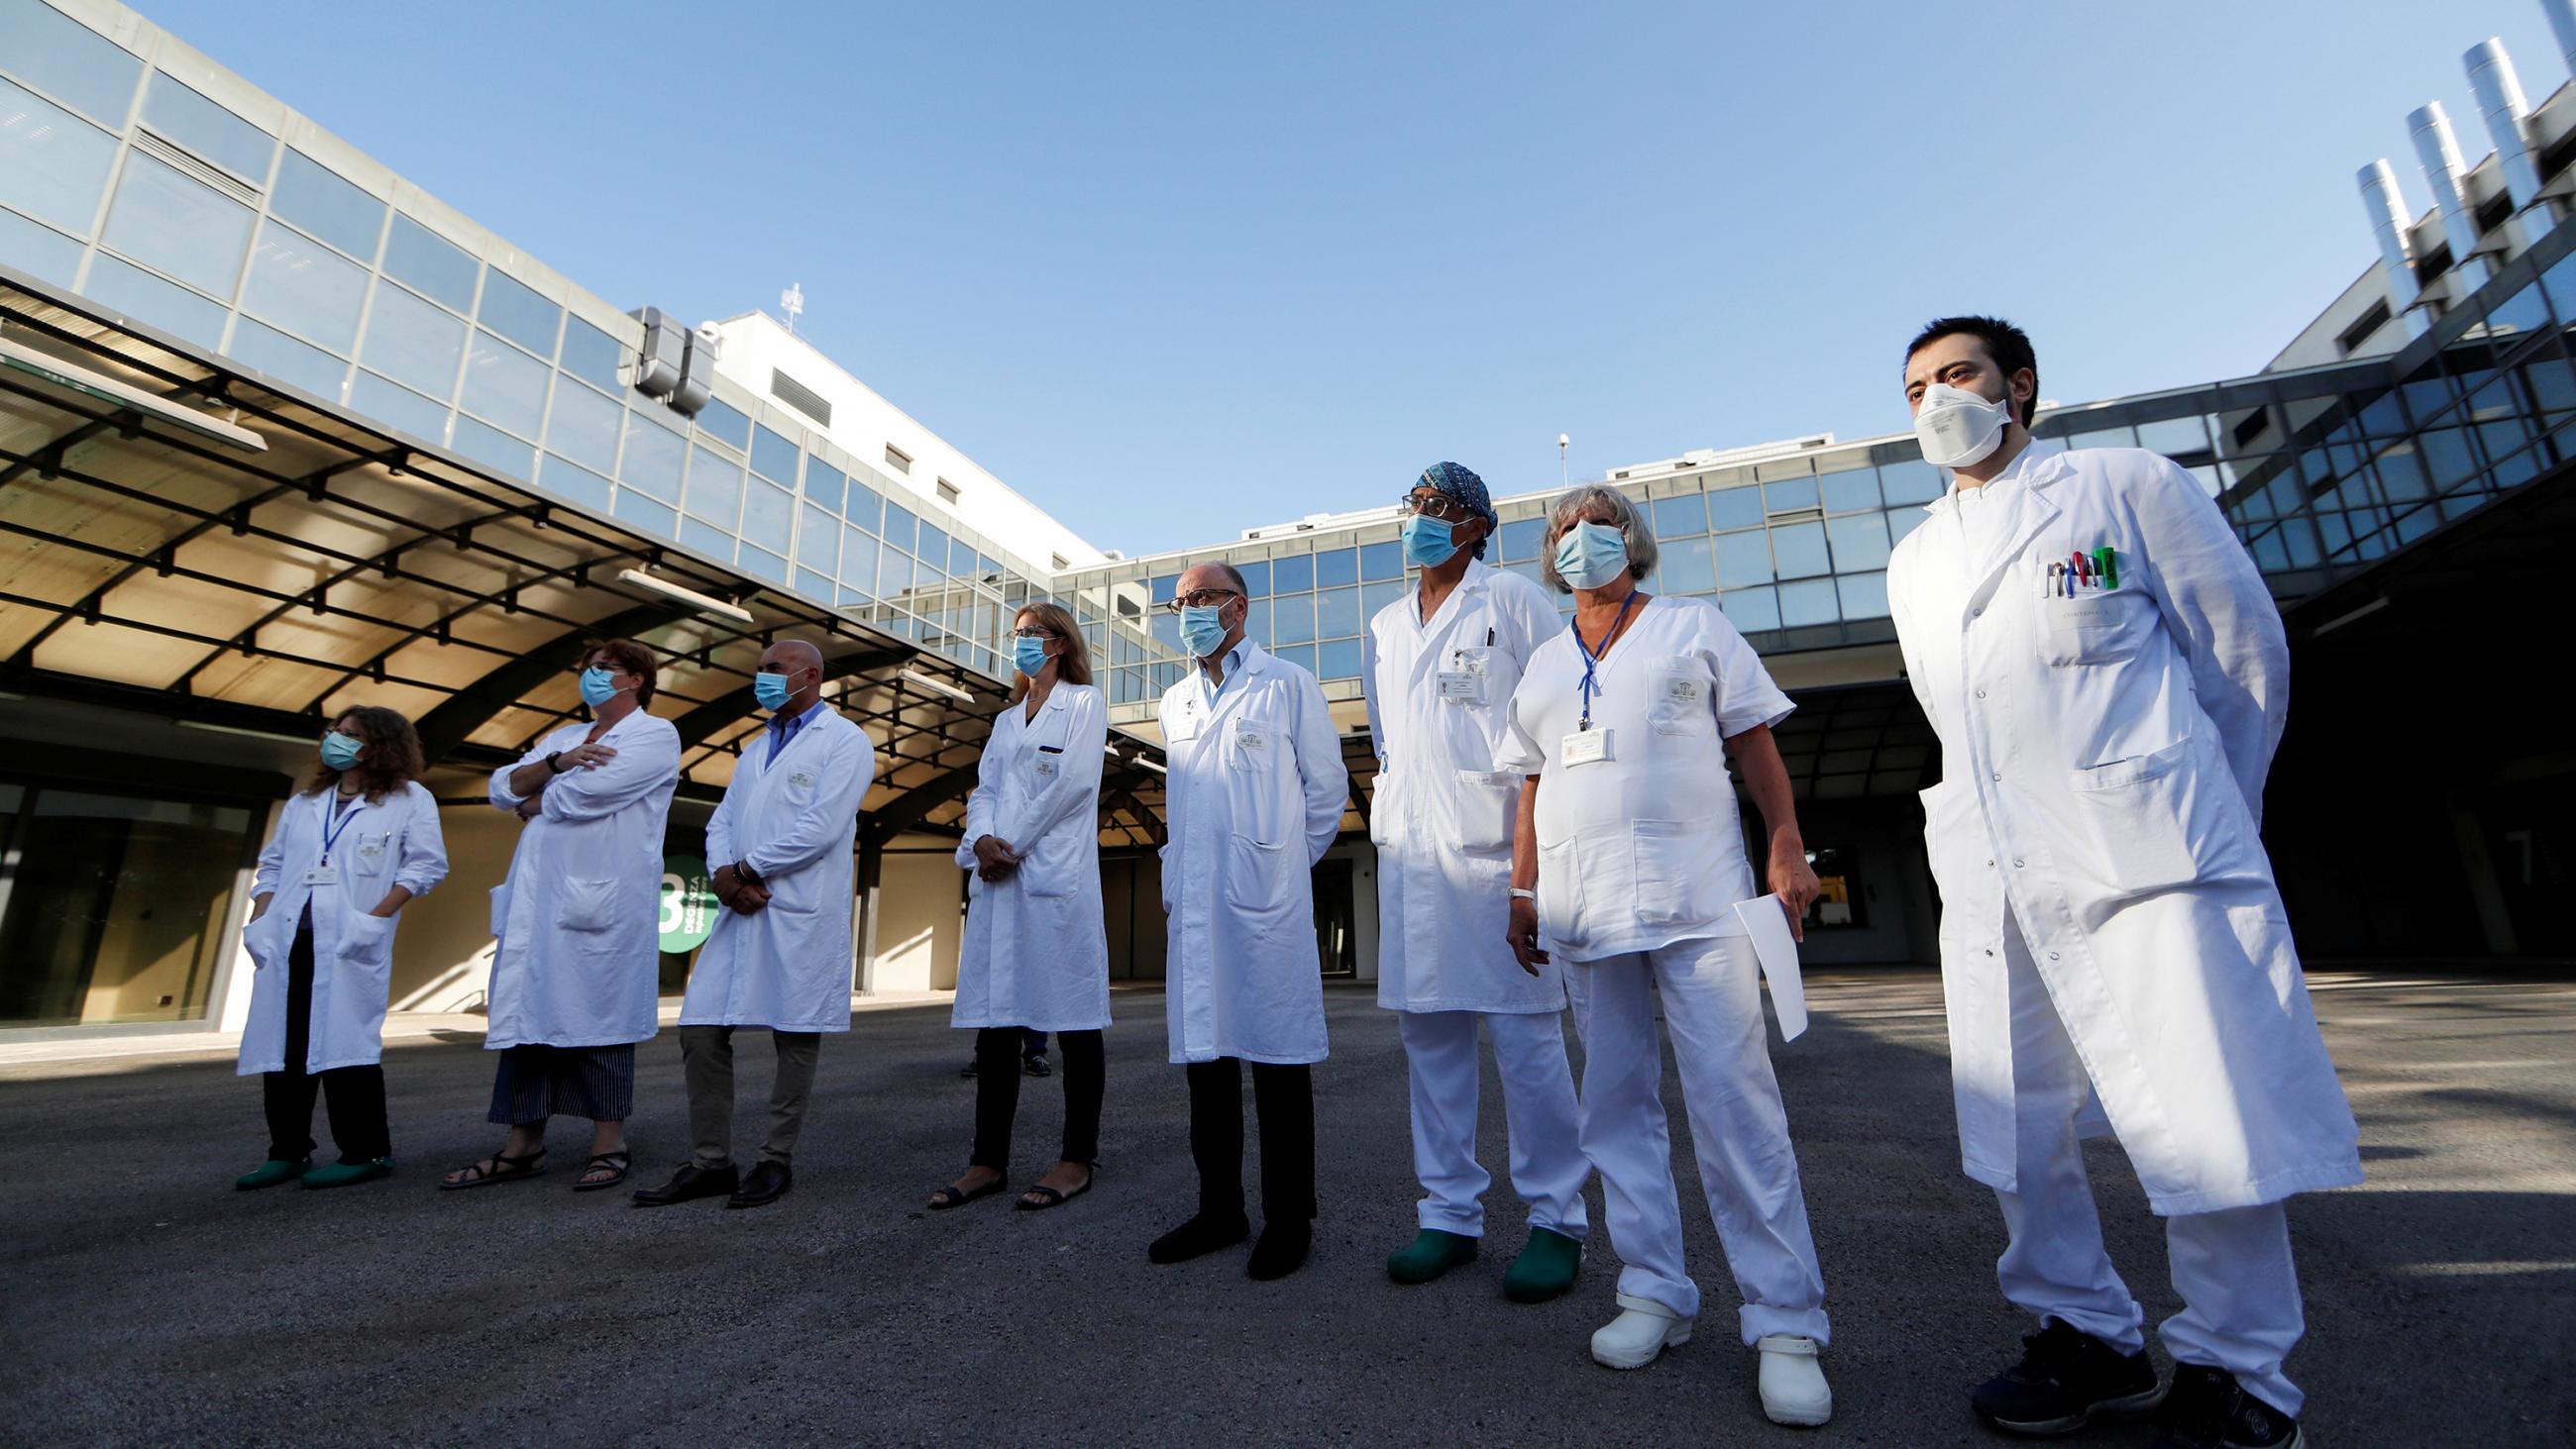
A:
{"points": [[2208, 1409], [2066, 1379], [1036, 1067]]}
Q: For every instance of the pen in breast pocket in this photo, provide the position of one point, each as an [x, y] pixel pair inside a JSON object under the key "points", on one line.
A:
{"points": [[1489, 636]]}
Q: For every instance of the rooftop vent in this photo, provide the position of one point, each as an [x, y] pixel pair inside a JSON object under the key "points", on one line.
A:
{"points": [[800, 397]]}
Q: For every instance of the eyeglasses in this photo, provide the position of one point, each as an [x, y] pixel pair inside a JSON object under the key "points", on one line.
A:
{"points": [[1202, 599], [1032, 633], [1433, 505]]}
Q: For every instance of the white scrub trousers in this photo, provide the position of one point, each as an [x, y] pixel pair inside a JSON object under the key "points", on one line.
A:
{"points": [[1712, 1006], [2240, 1292], [1548, 1166]]}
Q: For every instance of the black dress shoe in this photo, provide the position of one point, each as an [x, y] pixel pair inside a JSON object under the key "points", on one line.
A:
{"points": [[767, 1184], [1282, 1249], [1198, 1237], [2066, 1379], [2208, 1409], [689, 1184]]}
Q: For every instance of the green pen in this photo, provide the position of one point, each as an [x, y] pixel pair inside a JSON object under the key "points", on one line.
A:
{"points": [[2107, 559]]}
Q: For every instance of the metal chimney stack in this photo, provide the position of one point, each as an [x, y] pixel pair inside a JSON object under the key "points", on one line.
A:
{"points": [[2380, 198], [2562, 23], [2439, 153], [2508, 118]]}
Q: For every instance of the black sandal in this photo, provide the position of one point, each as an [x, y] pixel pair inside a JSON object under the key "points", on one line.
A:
{"points": [[617, 1162], [504, 1168], [1040, 1197], [949, 1197]]}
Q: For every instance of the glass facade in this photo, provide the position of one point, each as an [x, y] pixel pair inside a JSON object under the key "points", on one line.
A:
{"points": [[145, 194]]}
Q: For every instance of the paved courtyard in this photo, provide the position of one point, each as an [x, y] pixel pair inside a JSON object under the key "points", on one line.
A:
{"points": [[145, 1302]]}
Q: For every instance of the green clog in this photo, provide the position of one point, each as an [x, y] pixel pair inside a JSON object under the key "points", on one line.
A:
{"points": [[1545, 1268], [1432, 1253], [270, 1174], [342, 1174]]}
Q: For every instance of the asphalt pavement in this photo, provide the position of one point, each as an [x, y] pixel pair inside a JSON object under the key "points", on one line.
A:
{"points": [[143, 1301]]}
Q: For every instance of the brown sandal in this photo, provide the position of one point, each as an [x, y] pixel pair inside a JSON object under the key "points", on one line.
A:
{"points": [[504, 1168]]}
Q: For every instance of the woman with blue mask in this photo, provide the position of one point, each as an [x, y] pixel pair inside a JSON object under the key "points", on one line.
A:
{"points": [[351, 849], [1036, 953], [576, 959], [1628, 867]]}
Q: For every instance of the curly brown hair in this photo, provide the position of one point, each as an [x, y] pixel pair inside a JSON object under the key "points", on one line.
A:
{"points": [[388, 757]]}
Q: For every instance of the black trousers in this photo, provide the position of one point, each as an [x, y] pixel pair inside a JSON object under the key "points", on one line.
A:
{"points": [[356, 1094], [997, 1094], [1285, 1097]]}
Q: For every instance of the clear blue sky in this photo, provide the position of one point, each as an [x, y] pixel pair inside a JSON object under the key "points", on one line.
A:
{"points": [[1172, 271]]}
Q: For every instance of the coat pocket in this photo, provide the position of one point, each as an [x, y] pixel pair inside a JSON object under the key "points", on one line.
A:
{"points": [[589, 903], [1951, 836], [1680, 698], [1488, 803], [1560, 894], [1256, 875], [367, 941], [2142, 816], [2096, 628], [1674, 863]]}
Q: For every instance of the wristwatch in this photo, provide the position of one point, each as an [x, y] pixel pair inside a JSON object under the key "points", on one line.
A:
{"points": [[554, 762], [743, 872], [1521, 895]]}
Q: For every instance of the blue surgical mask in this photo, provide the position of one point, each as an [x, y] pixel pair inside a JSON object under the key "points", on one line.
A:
{"points": [[1029, 654], [769, 689], [598, 686], [339, 751], [1590, 555], [1428, 542], [1202, 629]]}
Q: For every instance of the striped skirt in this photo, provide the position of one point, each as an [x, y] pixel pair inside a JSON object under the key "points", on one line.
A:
{"points": [[537, 1082]]}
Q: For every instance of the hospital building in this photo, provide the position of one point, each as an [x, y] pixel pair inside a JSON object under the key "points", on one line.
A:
{"points": [[281, 432]]}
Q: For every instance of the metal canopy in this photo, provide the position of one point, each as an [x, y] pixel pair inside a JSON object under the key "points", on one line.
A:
{"points": [[150, 564]]}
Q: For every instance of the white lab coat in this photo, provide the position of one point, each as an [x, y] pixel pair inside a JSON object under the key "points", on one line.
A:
{"points": [[795, 821], [1441, 814], [579, 956], [1254, 799], [2103, 765], [384, 843], [1037, 949], [1645, 848]]}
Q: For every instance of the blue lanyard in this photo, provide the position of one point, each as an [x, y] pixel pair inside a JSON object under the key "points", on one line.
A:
{"points": [[1591, 659], [338, 826]]}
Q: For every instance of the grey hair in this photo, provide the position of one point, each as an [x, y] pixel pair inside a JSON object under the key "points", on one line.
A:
{"points": [[1625, 515]]}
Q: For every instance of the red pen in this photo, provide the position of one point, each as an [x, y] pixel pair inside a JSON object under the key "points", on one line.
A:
{"points": [[2077, 568]]}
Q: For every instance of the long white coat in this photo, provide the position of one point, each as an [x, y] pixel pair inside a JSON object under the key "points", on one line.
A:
{"points": [[390, 842], [1037, 948], [1441, 814], [579, 956], [2103, 766], [795, 821], [1253, 800]]}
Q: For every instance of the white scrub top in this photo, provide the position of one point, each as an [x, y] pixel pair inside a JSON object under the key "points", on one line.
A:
{"points": [[1036, 952], [1646, 847], [1441, 814]]}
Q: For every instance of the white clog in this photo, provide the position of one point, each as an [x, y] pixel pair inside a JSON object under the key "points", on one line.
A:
{"points": [[1643, 1329], [1793, 1383]]}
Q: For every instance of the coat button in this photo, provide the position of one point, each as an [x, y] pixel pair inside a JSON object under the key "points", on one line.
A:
{"points": [[1976, 612], [1981, 694], [1990, 953], [2052, 955], [1997, 777], [1990, 865], [2016, 862]]}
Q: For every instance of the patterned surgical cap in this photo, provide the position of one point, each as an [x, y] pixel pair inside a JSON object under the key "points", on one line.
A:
{"points": [[1456, 483]]}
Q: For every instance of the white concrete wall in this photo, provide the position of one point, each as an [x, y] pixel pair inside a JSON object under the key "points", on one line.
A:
{"points": [[863, 423]]}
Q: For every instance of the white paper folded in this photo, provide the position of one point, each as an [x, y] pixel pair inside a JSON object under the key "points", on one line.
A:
{"points": [[1766, 919]]}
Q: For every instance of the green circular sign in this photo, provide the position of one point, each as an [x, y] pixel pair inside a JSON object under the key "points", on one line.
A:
{"points": [[688, 903]]}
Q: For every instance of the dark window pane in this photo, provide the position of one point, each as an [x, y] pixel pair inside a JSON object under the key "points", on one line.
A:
{"points": [[518, 313], [772, 456], [430, 264], [1735, 508], [209, 130], [1383, 561], [1789, 494], [69, 61], [1335, 567], [325, 204], [1292, 575], [1256, 577], [1680, 517], [1850, 491], [725, 422], [900, 526], [824, 484]]}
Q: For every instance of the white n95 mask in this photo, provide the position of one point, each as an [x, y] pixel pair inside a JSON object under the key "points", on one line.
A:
{"points": [[1957, 428]]}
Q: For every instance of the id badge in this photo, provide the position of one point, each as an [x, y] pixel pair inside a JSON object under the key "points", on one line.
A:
{"points": [[322, 875], [1585, 747], [1460, 684]]}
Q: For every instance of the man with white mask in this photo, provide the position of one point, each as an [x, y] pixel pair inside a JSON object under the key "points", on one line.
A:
{"points": [[1440, 667], [1254, 798], [779, 955], [2109, 678]]}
